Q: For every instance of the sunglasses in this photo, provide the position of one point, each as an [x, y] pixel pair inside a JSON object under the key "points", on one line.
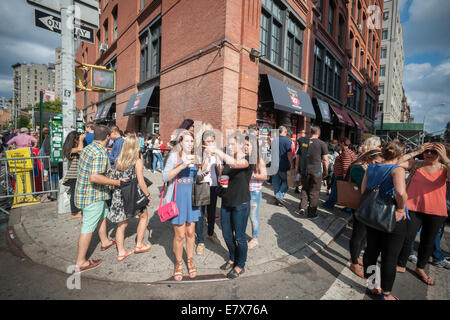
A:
{"points": [[431, 151]]}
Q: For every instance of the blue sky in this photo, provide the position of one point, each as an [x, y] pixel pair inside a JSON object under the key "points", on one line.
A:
{"points": [[426, 77]]}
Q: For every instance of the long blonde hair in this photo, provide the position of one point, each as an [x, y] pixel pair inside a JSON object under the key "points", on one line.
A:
{"points": [[129, 154]]}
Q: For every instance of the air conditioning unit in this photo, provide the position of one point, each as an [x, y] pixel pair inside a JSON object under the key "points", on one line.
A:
{"points": [[360, 27], [103, 47], [113, 116]]}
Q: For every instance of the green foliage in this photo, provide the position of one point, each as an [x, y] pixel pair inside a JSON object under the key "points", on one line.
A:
{"points": [[49, 106], [23, 122]]}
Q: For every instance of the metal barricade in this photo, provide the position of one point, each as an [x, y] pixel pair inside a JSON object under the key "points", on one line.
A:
{"points": [[20, 185]]}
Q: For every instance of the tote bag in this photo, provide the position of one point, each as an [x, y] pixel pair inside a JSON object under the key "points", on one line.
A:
{"points": [[377, 209], [349, 194]]}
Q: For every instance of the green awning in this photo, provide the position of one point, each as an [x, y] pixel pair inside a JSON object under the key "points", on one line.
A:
{"points": [[401, 127]]}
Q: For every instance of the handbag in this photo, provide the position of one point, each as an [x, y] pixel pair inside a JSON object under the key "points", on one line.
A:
{"points": [[134, 199], [201, 194], [169, 210], [377, 209], [349, 194]]}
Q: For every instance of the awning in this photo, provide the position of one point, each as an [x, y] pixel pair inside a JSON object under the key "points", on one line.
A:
{"points": [[343, 116], [359, 123], [323, 109], [98, 114], [137, 105], [105, 112], [290, 99]]}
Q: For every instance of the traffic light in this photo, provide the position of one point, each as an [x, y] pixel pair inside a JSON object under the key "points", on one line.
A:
{"points": [[103, 79]]}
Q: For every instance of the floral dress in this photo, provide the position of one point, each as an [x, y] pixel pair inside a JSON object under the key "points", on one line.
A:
{"points": [[116, 211]]}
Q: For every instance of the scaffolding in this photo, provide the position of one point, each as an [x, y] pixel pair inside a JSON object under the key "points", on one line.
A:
{"points": [[411, 134]]}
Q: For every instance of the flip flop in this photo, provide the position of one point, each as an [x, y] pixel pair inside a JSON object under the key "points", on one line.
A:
{"points": [[92, 265], [127, 253], [140, 250], [426, 279], [108, 246]]}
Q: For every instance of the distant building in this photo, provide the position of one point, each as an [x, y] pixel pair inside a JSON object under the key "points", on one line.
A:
{"points": [[391, 64], [406, 116], [29, 80], [447, 133]]}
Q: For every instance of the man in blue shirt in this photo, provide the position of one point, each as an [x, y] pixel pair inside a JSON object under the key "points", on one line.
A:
{"points": [[89, 134], [286, 162], [117, 145]]}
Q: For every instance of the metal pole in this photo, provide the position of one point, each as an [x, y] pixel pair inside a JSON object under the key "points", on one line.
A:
{"points": [[41, 106], [68, 83]]}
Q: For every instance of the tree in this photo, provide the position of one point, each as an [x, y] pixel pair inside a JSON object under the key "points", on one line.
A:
{"points": [[23, 122], [54, 107]]}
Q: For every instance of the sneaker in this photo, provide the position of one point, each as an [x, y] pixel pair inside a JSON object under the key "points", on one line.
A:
{"points": [[200, 248], [253, 243], [281, 202], [312, 216], [214, 239], [413, 259], [441, 264]]}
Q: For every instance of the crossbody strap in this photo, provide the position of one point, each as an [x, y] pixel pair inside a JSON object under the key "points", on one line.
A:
{"points": [[164, 186]]}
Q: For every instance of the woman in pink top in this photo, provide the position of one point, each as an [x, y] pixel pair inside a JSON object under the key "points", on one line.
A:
{"points": [[426, 203]]}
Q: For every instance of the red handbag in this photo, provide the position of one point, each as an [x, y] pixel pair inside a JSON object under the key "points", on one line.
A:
{"points": [[169, 210]]}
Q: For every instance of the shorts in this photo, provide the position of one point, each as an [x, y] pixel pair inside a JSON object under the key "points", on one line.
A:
{"points": [[92, 215]]}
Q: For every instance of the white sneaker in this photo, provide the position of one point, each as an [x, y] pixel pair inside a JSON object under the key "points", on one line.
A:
{"points": [[413, 259], [200, 248]]}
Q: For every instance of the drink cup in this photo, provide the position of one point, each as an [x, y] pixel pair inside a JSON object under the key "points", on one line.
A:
{"points": [[190, 158], [225, 180]]}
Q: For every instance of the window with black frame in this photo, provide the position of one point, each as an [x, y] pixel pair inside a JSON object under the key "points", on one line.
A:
{"points": [[271, 31], [327, 72], [294, 47], [150, 57]]}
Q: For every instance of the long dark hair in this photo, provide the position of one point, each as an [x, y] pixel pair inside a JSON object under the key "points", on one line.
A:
{"points": [[69, 144]]}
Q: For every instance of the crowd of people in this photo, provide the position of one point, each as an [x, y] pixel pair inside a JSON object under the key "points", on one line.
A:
{"points": [[104, 159]]}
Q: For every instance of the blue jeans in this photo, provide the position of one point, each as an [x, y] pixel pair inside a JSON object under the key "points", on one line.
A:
{"points": [[438, 255], [234, 220], [280, 186], [255, 203], [332, 199], [157, 158]]}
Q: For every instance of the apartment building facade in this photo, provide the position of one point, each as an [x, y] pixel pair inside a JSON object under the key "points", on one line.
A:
{"points": [[233, 63], [29, 80], [391, 64]]}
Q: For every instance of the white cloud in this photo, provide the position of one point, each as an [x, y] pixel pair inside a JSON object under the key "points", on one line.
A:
{"points": [[427, 29], [426, 88], [6, 85]]}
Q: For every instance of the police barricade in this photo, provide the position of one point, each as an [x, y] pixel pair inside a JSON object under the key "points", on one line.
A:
{"points": [[24, 179]]}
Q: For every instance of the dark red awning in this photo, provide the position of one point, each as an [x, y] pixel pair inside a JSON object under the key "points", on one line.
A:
{"points": [[343, 116]]}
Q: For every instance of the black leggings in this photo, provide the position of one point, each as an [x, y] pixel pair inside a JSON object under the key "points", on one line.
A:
{"points": [[389, 245], [73, 208], [357, 240], [430, 228]]}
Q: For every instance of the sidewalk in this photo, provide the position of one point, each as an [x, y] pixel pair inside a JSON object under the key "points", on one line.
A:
{"points": [[49, 238]]}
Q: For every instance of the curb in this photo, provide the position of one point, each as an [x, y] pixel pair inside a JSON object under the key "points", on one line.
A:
{"points": [[22, 244]]}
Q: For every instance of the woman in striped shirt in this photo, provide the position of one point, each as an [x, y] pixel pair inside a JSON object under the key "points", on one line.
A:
{"points": [[259, 175]]}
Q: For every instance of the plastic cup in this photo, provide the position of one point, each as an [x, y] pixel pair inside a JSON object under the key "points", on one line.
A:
{"points": [[190, 158], [225, 180]]}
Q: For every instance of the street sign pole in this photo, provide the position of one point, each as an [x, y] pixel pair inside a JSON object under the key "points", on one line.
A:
{"points": [[68, 85], [41, 106]]}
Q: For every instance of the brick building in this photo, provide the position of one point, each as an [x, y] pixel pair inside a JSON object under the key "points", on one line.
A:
{"points": [[201, 60]]}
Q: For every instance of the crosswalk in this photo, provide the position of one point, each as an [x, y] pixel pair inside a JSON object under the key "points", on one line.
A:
{"points": [[347, 286]]}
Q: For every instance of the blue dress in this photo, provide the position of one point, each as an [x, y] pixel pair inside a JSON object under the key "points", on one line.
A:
{"points": [[187, 213]]}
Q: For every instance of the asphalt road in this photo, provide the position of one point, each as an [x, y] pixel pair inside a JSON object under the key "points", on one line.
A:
{"points": [[323, 276]]}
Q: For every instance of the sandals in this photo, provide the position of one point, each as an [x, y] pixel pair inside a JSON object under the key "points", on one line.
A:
{"points": [[227, 266], [191, 269], [427, 279], [178, 273], [144, 248], [356, 269], [383, 296], [233, 274], [127, 253], [108, 246]]}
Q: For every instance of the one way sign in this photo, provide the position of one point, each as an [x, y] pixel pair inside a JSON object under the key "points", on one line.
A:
{"points": [[53, 23]]}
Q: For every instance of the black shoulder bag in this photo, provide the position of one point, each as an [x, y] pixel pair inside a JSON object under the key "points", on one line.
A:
{"points": [[377, 209]]}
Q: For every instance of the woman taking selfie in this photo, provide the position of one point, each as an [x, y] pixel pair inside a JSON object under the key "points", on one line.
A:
{"points": [[180, 172], [235, 210], [129, 164], [426, 202]]}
